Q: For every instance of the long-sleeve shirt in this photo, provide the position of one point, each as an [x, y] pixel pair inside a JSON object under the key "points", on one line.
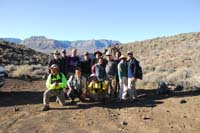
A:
{"points": [[122, 69], [111, 68]]}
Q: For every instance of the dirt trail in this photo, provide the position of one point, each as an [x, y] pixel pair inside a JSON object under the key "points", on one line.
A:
{"points": [[21, 101]]}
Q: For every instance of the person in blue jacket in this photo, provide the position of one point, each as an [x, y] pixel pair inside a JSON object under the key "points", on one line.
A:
{"points": [[132, 75]]}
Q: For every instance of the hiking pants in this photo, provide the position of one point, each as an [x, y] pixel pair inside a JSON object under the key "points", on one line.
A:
{"points": [[72, 94], [111, 82], [123, 88], [131, 88], [50, 93]]}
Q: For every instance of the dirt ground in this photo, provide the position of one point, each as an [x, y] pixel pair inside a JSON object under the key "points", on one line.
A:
{"points": [[21, 103]]}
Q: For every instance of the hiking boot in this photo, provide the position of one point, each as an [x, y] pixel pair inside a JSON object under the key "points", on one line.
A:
{"points": [[72, 102], [133, 99], [45, 108], [60, 103]]}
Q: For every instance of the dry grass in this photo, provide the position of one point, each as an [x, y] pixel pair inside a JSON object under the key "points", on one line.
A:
{"points": [[175, 59], [35, 71]]}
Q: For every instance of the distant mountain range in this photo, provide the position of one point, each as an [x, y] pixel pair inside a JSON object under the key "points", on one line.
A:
{"points": [[41, 43]]}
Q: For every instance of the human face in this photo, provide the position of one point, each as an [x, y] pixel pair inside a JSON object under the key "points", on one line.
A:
{"points": [[54, 71], [117, 54], [100, 61], [78, 73], [109, 57], [97, 55], [85, 56], [63, 54], [74, 52], [56, 55], [130, 56], [94, 79]]}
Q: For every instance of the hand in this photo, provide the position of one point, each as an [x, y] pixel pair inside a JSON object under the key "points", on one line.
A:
{"points": [[55, 84], [70, 89]]}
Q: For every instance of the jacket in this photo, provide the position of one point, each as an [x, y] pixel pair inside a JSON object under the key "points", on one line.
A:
{"points": [[133, 65], [97, 88], [59, 78], [100, 72]]}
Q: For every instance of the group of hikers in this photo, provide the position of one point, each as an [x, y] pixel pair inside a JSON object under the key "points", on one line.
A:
{"points": [[98, 79]]}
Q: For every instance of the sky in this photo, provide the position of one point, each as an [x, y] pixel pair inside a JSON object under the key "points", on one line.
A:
{"points": [[123, 20]]}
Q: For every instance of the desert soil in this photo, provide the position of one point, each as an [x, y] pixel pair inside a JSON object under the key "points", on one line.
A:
{"points": [[21, 103]]}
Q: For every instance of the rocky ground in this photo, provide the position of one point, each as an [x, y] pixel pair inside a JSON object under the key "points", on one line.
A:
{"points": [[21, 102]]}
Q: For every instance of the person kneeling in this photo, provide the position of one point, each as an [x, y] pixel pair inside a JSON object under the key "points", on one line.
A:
{"points": [[97, 89], [55, 83], [77, 86]]}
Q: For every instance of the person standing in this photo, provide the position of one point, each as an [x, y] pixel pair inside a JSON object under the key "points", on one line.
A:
{"points": [[117, 60], [86, 65], [133, 65], [74, 61], [55, 83], [97, 55], [55, 60], [122, 69], [117, 57], [111, 73], [100, 70], [64, 63]]}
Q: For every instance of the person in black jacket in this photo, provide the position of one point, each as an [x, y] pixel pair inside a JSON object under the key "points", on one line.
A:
{"points": [[55, 60], [133, 75], [86, 65], [64, 63], [97, 55]]}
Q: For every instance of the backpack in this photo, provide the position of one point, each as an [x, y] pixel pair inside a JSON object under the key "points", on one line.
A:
{"points": [[162, 88], [139, 70]]}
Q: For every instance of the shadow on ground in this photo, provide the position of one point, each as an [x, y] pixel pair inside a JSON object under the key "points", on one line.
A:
{"points": [[146, 98]]}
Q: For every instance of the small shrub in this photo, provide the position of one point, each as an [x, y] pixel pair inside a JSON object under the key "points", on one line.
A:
{"points": [[160, 69], [22, 70]]}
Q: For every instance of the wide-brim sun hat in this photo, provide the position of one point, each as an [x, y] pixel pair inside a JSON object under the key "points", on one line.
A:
{"points": [[108, 53], [122, 57], [56, 52], [97, 52]]}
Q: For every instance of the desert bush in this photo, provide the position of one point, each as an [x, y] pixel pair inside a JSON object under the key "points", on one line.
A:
{"points": [[152, 79], [180, 74], [184, 77], [148, 68], [10, 68], [160, 69], [35, 71], [22, 70]]}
